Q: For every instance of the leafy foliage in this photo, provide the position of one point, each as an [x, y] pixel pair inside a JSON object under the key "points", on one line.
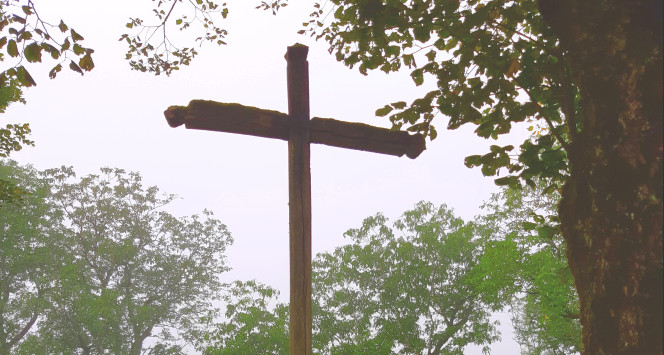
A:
{"points": [[273, 6], [126, 270], [29, 257], [29, 38], [151, 46], [255, 322], [525, 265], [26, 37], [407, 287], [12, 137], [135, 268], [424, 284], [495, 64]]}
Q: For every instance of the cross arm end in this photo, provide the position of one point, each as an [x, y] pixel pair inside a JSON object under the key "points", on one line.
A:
{"points": [[417, 146], [175, 115]]}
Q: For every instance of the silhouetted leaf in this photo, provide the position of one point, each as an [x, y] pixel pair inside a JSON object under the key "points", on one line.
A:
{"points": [[73, 66], [12, 49], [32, 52]]}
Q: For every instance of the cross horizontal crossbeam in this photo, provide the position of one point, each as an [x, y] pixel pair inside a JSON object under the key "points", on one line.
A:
{"points": [[236, 118]]}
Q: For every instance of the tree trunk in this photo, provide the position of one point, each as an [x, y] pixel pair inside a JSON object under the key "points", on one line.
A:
{"points": [[611, 211]]}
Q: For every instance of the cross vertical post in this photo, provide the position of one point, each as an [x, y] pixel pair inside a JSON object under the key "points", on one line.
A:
{"points": [[299, 186]]}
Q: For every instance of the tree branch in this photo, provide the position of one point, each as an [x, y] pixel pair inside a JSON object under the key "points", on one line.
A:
{"points": [[169, 14], [544, 115], [23, 331]]}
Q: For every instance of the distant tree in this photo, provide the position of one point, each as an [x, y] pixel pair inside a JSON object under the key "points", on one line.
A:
{"points": [[412, 293], [30, 256], [405, 288], [254, 322], [424, 285], [524, 265], [130, 270]]}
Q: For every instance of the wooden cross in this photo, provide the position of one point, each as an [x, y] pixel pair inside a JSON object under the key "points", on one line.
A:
{"points": [[299, 131]]}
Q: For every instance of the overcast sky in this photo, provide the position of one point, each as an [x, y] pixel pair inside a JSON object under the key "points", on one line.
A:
{"points": [[114, 117]]}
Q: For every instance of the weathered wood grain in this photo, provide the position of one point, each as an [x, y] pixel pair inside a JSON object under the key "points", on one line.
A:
{"points": [[360, 136], [299, 187], [236, 118], [230, 118]]}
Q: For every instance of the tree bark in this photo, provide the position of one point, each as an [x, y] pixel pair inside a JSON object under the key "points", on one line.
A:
{"points": [[611, 210]]}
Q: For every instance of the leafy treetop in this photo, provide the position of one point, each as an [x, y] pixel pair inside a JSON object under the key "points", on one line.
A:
{"points": [[495, 64]]}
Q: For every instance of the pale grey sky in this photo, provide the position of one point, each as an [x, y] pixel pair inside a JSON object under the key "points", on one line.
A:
{"points": [[113, 117]]}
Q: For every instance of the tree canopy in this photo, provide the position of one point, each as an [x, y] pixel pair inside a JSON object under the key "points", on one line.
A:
{"points": [[29, 254], [423, 284], [254, 322], [407, 287], [524, 265], [101, 266], [494, 63]]}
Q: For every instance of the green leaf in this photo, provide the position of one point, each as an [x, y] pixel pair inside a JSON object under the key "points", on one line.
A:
{"points": [[399, 105], [65, 45], [511, 181], [484, 130], [24, 77], [62, 26], [73, 66], [417, 76], [54, 52], [529, 226], [78, 50], [422, 33], [488, 170], [18, 19], [86, 62], [432, 133], [546, 232], [408, 60], [32, 52], [12, 49], [549, 189], [54, 71], [384, 111], [392, 51], [75, 36], [473, 160], [26, 35]]}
